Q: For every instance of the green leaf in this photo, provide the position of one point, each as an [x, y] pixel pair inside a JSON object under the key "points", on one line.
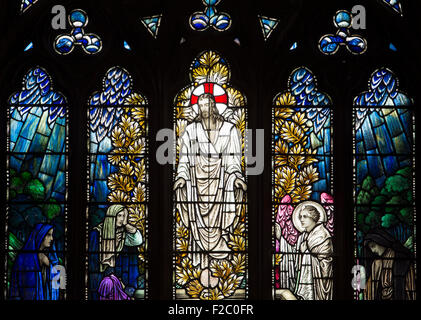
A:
{"points": [[26, 176], [392, 210], [406, 172], [397, 200], [409, 196], [35, 189], [373, 219], [389, 220], [395, 185], [380, 199], [368, 184], [374, 191], [406, 215], [410, 243], [14, 243], [52, 210], [17, 184], [364, 197], [406, 212]]}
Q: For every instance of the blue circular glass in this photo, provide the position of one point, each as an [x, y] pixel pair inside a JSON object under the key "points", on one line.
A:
{"points": [[343, 19], [78, 18]]}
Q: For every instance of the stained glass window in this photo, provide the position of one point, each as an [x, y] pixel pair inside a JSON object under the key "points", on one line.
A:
{"points": [[395, 5], [26, 4], [210, 17], [152, 24], [210, 208], [36, 223], [329, 213], [267, 25], [384, 216], [118, 191], [78, 36], [303, 209]]}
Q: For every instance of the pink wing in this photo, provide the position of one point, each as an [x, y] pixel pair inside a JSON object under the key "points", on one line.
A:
{"points": [[327, 203], [283, 218]]}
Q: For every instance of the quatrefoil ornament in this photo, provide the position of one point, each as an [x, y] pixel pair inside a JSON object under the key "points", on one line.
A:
{"points": [[90, 42], [201, 21], [329, 44]]}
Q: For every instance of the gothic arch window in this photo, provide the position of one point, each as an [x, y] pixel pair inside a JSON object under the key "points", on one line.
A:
{"points": [[210, 200], [302, 190], [356, 142], [37, 158], [118, 190], [384, 217]]}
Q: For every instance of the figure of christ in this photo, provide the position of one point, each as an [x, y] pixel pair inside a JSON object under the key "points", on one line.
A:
{"points": [[209, 183]]}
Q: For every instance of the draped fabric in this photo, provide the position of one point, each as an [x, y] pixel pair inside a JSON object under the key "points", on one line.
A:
{"points": [[110, 243], [113, 251], [314, 265], [111, 288], [30, 281], [209, 203], [391, 276], [126, 266]]}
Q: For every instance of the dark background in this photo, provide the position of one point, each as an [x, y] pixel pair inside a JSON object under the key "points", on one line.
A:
{"points": [[160, 68]]}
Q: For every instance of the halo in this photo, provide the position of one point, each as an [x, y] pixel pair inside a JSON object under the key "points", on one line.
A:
{"points": [[297, 210], [219, 93]]}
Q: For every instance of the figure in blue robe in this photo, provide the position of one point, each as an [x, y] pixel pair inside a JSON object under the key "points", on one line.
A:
{"points": [[113, 247], [33, 271]]}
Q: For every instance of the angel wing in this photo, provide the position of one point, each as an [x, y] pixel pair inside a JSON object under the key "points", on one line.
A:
{"points": [[283, 219]]}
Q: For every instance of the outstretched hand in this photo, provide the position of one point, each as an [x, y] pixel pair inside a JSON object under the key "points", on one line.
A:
{"points": [[180, 183], [239, 184]]}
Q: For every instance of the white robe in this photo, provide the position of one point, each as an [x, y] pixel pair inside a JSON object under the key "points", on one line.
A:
{"points": [[209, 204], [314, 266]]}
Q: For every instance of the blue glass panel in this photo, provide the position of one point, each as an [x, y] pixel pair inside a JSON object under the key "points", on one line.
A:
{"points": [[383, 140], [369, 139], [375, 118], [385, 183], [30, 127], [395, 5], [152, 24], [39, 143], [57, 140], [391, 164], [22, 145], [34, 177], [393, 124]]}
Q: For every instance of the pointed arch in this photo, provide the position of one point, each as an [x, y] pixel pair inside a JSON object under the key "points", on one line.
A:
{"points": [[210, 209], [384, 184], [37, 189], [302, 163], [118, 187]]}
